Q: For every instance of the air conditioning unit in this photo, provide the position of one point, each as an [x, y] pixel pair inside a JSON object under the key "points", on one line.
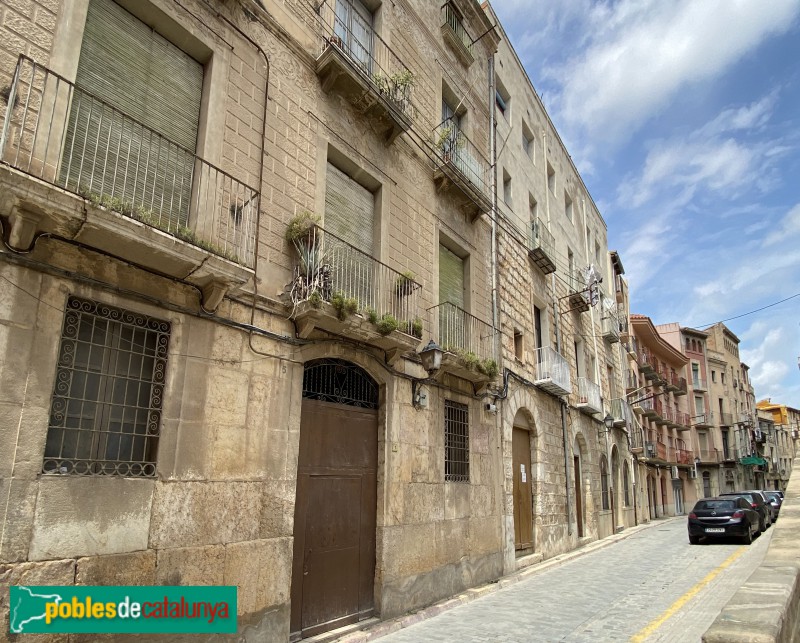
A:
{"points": [[692, 474], [675, 473]]}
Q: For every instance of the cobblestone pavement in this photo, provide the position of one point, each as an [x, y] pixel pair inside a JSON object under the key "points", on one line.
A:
{"points": [[611, 594]]}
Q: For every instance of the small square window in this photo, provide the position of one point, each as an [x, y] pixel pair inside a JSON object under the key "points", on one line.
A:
{"points": [[551, 178], [507, 188], [528, 141], [519, 346]]}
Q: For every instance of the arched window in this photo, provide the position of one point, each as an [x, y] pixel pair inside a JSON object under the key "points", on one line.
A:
{"points": [[625, 485], [604, 495]]}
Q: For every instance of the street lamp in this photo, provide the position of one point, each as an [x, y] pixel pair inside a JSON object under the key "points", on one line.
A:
{"points": [[608, 420], [431, 357]]}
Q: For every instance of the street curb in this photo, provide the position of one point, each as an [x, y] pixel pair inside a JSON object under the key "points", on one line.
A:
{"points": [[383, 628]]}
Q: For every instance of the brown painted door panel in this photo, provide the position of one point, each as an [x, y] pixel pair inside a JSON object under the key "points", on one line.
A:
{"points": [[334, 532], [578, 495], [523, 512]]}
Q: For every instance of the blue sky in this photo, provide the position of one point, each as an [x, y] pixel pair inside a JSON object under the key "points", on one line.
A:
{"points": [[683, 118]]}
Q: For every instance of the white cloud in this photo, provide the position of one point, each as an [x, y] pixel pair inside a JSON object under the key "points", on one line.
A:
{"points": [[787, 229], [642, 53]]}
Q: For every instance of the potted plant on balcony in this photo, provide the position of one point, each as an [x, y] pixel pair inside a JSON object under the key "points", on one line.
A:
{"points": [[405, 284], [301, 226]]}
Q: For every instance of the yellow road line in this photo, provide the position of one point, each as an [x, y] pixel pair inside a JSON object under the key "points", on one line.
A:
{"points": [[654, 625]]}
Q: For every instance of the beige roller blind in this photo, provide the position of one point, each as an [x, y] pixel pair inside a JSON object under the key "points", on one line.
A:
{"points": [[451, 277], [135, 141]]}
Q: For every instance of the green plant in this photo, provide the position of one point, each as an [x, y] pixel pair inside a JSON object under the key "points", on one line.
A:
{"points": [[489, 368], [315, 299], [372, 315], [387, 324], [444, 137], [470, 360], [405, 283], [415, 328], [344, 306], [301, 225]]}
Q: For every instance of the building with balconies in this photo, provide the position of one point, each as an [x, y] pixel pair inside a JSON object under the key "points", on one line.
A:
{"points": [[780, 424], [662, 408], [228, 232]]}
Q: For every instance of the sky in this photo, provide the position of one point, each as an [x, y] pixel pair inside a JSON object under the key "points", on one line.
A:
{"points": [[683, 118]]}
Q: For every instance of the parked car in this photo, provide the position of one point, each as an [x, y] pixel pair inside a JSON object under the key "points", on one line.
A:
{"points": [[723, 517], [775, 501], [758, 502]]}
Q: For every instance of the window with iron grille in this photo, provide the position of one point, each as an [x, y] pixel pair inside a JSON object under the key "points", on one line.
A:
{"points": [[605, 496], [456, 442], [105, 415]]}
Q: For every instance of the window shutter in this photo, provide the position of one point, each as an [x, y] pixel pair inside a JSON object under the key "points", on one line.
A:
{"points": [[451, 277], [131, 68], [349, 211]]}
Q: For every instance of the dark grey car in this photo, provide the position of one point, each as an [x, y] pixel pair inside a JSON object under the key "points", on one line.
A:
{"points": [[723, 517], [758, 502]]}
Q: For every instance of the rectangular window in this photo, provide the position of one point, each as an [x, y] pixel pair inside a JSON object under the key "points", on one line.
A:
{"points": [[507, 188], [568, 207], [528, 141], [713, 376], [518, 344], [503, 100], [456, 442], [537, 326], [551, 178], [105, 414]]}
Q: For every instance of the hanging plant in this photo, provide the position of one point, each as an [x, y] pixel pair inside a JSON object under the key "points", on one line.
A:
{"points": [[300, 226], [387, 324]]}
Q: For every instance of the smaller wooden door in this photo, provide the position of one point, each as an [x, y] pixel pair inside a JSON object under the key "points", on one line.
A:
{"points": [[523, 496], [578, 496]]}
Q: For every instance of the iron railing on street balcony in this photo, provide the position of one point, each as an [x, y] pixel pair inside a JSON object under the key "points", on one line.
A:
{"points": [[455, 150], [631, 380], [636, 434], [699, 384], [654, 449], [684, 456], [621, 411], [610, 321], [589, 394], [328, 265], [453, 21], [682, 419], [731, 453], [646, 359], [541, 238], [69, 138], [462, 333], [341, 27], [551, 365], [725, 419], [709, 455]]}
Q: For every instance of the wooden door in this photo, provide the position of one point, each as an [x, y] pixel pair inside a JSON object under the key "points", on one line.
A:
{"points": [[334, 525], [523, 497], [578, 495]]}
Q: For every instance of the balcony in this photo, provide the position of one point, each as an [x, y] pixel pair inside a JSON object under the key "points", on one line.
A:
{"points": [[589, 399], [745, 419], [677, 384], [579, 298], [632, 346], [709, 456], [338, 289], [684, 457], [667, 416], [726, 419], [699, 384], [468, 342], [647, 363], [610, 327], [637, 439], [455, 35], [703, 420], [682, 421], [624, 326], [361, 67], [101, 178], [621, 289], [552, 372], [631, 381], [541, 245], [656, 451], [460, 167], [620, 410]]}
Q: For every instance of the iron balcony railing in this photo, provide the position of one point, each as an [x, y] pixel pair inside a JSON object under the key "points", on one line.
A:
{"points": [[655, 449], [637, 437], [631, 380], [589, 396], [66, 136], [699, 384], [683, 456], [552, 366], [620, 410], [452, 21], [462, 333], [731, 453], [541, 238], [703, 420], [330, 269], [726, 419], [682, 419], [709, 455], [646, 360], [341, 27], [456, 151]]}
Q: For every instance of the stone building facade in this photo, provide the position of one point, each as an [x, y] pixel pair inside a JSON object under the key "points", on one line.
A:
{"points": [[212, 317], [781, 425]]}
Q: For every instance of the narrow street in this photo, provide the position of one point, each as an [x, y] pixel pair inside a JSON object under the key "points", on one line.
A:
{"points": [[651, 586]]}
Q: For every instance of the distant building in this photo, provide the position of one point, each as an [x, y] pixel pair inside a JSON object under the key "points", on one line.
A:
{"points": [[781, 429]]}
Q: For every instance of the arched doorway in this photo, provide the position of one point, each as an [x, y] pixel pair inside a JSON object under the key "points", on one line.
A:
{"points": [[333, 570], [522, 486]]}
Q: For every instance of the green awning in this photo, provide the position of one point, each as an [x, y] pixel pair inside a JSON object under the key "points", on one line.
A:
{"points": [[753, 460]]}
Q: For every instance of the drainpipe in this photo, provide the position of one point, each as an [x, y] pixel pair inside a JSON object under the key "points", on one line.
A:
{"points": [[493, 156]]}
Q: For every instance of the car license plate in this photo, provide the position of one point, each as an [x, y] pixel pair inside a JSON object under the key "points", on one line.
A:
{"points": [[715, 530]]}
